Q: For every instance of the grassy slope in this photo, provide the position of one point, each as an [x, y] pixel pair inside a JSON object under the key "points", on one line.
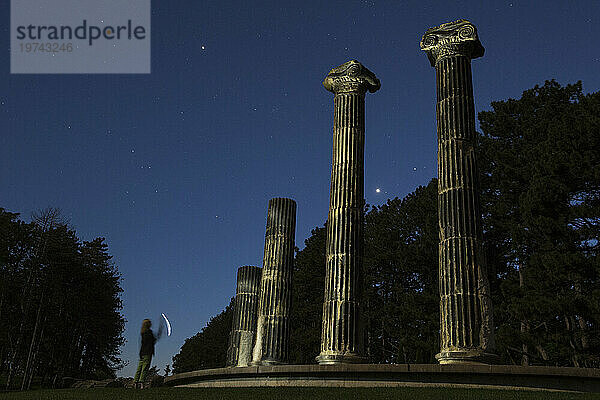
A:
{"points": [[290, 394]]}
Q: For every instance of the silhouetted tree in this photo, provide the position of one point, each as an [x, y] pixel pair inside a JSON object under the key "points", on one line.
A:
{"points": [[208, 348], [59, 302], [400, 301], [540, 163], [401, 278], [308, 285]]}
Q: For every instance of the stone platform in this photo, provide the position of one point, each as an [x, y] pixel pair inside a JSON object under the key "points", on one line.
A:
{"points": [[386, 375]]}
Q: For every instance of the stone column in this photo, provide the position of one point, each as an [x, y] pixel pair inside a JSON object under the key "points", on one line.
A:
{"points": [[466, 326], [273, 330], [342, 339], [243, 327]]}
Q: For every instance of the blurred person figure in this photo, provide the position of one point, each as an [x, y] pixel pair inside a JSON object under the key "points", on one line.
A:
{"points": [[146, 353]]}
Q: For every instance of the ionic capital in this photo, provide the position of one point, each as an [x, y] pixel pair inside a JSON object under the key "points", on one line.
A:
{"points": [[351, 77], [458, 38]]}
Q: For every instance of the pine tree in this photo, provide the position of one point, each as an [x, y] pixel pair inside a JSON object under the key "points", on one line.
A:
{"points": [[59, 303], [308, 287], [540, 163], [402, 299]]}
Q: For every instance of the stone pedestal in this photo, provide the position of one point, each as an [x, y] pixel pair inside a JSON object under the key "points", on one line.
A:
{"points": [[342, 339], [466, 327], [272, 331], [243, 327]]}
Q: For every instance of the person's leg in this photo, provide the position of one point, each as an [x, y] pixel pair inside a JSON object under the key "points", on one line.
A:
{"points": [[136, 378], [147, 360]]}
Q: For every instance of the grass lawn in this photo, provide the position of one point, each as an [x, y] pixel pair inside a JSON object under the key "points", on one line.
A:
{"points": [[287, 393]]}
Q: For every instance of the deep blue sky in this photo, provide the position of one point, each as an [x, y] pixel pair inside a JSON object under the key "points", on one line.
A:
{"points": [[175, 168]]}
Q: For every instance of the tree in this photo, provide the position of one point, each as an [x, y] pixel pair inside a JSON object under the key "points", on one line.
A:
{"points": [[208, 348], [401, 278], [59, 302], [152, 372], [16, 252], [308, 285], [540, 163], [401, 301], [104, 323]]}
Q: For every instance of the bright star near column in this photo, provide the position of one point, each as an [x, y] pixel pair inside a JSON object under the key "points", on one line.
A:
{"points": [[377, 190]]}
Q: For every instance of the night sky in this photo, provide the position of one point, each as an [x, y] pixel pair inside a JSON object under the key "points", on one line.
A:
{"points": [[175, 168]]}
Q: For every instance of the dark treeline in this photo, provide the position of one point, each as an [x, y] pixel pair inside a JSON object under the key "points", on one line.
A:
{"points": [[208, 348], [539, 160], [59, 303], [540, 167], [401, 312]]}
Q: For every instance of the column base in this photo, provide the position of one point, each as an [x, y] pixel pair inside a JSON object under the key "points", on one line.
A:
{"points": [[466, 356], [267, 361], [344, 358]]}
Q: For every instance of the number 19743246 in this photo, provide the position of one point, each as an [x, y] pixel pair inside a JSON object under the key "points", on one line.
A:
{"points": [[51, 47]]}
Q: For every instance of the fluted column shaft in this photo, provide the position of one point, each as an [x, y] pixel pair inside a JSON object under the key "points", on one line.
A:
{"points": [[342, 331], [342, 327], [458, 206], [465, 308], [243, 327], [272, 332]]}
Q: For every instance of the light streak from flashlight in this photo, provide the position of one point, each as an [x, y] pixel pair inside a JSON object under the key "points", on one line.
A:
{"points": [[168, 324]]}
